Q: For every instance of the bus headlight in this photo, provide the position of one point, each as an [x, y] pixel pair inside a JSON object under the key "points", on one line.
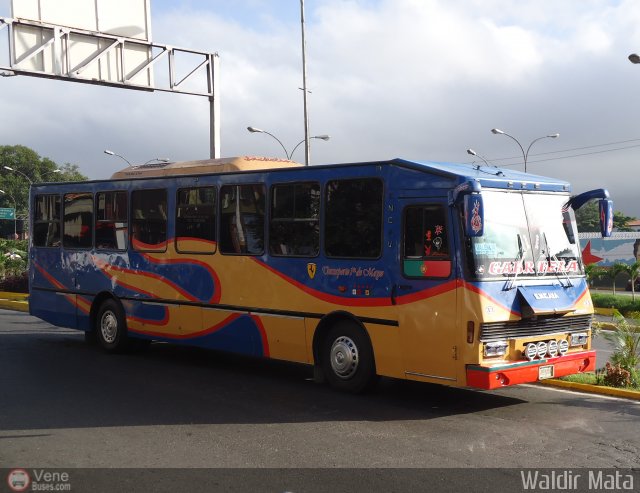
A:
{"points": [[552, 350], [492, 349], [563, 347], [531, 351], [541, 349], [578, 339]]}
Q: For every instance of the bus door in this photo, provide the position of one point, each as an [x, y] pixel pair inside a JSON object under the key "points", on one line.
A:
{"points": [[425, 292]]}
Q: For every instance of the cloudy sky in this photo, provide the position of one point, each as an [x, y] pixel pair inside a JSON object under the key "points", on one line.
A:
{"points": [[418, 79]]}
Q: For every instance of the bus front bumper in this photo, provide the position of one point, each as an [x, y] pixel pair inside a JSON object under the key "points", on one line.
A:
{"points": [[503, 375]]}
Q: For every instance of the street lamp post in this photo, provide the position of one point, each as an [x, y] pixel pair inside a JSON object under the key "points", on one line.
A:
{"points": [[158, 159], [255, 130], [54, 172], [525, 155], [15, 214], [20, 173], [111, 153], [474, 153], [307, 139]]}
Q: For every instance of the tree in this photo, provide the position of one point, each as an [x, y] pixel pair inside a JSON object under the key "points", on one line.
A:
{"points": [[588, 219], [613, 272], [27, 166], [634, 271]]}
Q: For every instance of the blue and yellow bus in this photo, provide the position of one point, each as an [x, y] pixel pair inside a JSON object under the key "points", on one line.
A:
{"points": [[456, 274]]}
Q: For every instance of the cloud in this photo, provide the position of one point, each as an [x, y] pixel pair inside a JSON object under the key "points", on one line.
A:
{"points": [[420, 79]]}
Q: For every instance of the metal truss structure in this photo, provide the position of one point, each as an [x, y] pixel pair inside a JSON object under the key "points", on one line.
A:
{"points": [[105, 61]]}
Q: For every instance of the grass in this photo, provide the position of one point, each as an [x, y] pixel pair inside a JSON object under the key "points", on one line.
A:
{"points": [[591, 379], [588, 378]]}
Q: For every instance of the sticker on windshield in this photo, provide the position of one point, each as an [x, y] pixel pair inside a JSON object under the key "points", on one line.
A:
{"points": [[488, 249]]}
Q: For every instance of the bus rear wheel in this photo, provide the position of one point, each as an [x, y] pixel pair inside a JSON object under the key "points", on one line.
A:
{"points": [[347, 358], [110, 327]]}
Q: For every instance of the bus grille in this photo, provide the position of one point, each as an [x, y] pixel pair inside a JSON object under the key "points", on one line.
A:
{"points": [[533, 327]]}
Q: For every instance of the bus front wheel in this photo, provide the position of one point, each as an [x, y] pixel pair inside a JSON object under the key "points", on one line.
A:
{"points": [[347, 358], [111, 329]]}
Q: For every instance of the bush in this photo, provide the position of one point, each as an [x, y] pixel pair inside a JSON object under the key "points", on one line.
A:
{"points": [[18, 283], [616, 376], [624, 304]]}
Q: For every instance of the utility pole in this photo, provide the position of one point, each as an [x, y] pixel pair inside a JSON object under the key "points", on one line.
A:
{"points": [[307, 146]]}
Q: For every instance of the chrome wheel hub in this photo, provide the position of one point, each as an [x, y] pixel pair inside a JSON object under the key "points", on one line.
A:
{"points": [[109, 327], [344, 357]]}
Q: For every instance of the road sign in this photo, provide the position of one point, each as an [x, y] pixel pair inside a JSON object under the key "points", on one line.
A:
{"points": [[7, 213]]}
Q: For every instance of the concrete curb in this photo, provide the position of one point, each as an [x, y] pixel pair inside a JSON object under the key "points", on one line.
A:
{"points": [[14, 301], [593, 389]]}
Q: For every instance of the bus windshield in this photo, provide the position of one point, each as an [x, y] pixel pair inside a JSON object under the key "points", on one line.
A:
{"points": [[525, 234]]}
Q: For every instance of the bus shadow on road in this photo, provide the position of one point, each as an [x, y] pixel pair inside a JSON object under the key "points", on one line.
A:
{"points": [[58, 381]]}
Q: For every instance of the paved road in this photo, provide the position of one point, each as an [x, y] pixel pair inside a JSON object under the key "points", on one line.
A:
{"points": [[66, 404]]}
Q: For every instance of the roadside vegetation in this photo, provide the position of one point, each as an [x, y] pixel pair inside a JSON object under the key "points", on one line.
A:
{"points": [[13, 266], [623, 371]]}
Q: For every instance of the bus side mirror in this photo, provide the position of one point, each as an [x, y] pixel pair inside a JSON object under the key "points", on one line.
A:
{"points": [[606, 217], [473, 215]]}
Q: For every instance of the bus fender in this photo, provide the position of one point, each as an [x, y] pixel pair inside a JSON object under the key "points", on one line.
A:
{"points": [[97, 302], [325, 325]]}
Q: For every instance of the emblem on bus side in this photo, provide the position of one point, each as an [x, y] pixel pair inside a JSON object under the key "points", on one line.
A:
{"points": [[311, 270]]}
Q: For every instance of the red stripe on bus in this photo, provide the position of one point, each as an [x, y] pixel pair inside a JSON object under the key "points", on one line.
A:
{"points": [[210, 330], [263, 335]]}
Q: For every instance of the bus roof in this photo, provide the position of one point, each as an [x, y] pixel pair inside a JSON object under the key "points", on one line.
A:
{"points": [[487, 176], [223, 165]]}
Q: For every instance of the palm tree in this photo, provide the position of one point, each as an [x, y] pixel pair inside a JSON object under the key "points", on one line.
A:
{"points": [[614, 271], [634, 271]]}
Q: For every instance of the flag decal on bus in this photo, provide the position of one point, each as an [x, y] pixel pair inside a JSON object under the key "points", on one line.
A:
{"points": [[311, 270]]}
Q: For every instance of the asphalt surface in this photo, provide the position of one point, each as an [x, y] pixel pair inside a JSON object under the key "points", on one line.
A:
{"points": [[65, 404]]}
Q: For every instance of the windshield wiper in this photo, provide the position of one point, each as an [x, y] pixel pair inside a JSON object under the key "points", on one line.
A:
{"points": [[555, 258], [516, 263]]}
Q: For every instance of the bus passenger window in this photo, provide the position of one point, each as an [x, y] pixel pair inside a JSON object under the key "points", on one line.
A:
{"points": [[78, 220], [111, 221], [149, 220], [196, 220], [294, 229], [353, 225], [426, 242], [46, 221], [242, 219]]}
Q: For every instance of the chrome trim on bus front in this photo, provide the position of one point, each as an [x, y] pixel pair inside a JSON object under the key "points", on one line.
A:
{"points": [[533, 327]]}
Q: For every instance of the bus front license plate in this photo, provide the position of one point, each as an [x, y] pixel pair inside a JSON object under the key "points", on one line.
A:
{"points": [[545, 372]]}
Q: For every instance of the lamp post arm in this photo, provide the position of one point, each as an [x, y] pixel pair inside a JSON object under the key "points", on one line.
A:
{"points": [[321, 137], [279, 141], [20, 173], [524, 154], [534, 141], [294, 149]]}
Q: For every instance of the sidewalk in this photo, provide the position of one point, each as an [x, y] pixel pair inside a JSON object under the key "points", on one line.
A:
{"points": [[14, 301]]}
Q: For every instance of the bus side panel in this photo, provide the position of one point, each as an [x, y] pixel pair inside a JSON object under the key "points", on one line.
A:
{"points": [[50, 296], [224, 330], [53, 307], [388, 352], [285, 337]]}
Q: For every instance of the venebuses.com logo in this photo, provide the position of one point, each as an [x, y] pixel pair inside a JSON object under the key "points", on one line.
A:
{"points": [[18, 480], [38, 480]]}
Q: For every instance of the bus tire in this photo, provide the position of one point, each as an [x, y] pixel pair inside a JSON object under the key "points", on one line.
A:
{"points": [[347, 358], [111, 327]]}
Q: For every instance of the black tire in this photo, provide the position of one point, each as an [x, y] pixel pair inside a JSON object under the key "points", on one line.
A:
{"points": [[347, 358], [111, 327]]}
